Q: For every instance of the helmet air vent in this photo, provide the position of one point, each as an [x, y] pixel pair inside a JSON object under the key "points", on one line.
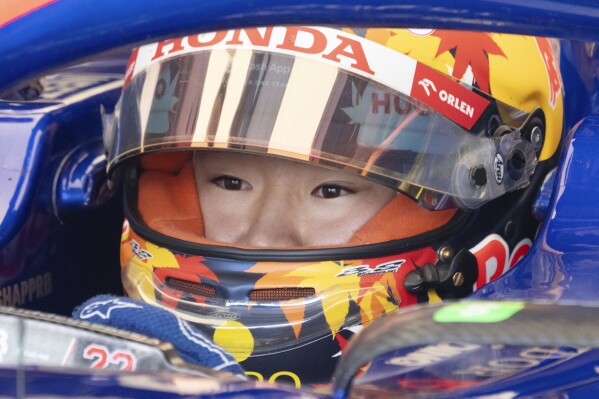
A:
{"points": [[191, 287], [281, 294]]}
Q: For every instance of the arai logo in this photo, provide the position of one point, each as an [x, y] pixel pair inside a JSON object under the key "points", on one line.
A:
{"points": [[498, 167], [225, 315], [366, 270], [139, 251]]}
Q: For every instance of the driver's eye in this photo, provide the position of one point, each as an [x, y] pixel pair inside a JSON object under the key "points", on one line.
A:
{"points": [[231, 183], [328, 191]]}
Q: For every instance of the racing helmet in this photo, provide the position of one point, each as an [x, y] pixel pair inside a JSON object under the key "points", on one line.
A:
{"points": [[464, 126]]}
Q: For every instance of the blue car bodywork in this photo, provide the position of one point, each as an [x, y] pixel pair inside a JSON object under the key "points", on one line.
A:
{"points": [[60, 220]]}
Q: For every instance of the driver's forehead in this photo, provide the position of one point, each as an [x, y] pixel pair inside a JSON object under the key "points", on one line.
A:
{"points": [[237, 162]]}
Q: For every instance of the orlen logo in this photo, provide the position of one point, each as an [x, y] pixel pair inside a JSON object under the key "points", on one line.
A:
{"points": [[427, 85], [447, 97], [366, 270]]}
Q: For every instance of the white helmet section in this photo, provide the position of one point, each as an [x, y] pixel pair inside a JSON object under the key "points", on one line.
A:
{"points": [[344, 50]]}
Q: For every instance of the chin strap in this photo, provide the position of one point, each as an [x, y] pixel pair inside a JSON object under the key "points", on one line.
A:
{"points": [[453, 279], [139, 317]]}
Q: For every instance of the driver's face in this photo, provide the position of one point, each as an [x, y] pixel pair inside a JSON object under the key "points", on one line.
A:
{"points": [[269, 202]]}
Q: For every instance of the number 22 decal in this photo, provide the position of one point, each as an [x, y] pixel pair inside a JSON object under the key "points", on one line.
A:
{"points": [[102, 358]]}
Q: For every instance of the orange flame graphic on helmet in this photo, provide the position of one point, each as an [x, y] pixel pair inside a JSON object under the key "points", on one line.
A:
{"points": [[472, 51]]}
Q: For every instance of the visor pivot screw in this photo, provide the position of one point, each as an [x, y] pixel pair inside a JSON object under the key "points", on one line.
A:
{"points": [[458, 279], [445, 254], [478, 176], [536, 138]]}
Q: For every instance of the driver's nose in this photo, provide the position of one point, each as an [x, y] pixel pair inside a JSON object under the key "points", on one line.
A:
{"points": [[274, 224]]}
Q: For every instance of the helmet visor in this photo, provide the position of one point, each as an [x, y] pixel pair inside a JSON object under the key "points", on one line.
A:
{"points": [[280, 104]]}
